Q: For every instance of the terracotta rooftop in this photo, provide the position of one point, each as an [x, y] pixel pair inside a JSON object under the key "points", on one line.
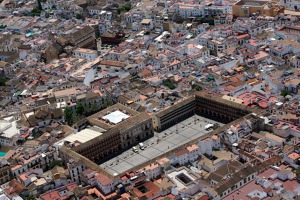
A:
{"points": [[104, 180]]}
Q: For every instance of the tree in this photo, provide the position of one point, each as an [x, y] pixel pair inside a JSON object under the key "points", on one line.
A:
{"points": [[80, 109], [285, 92], [56, 163], [30, 197], [2, 81], [79, 16], [35, 12], [69, 115], [298, 172], [197, 87], [107, 103], [178, 19], [168, 83], [93, 109], [207, 19], [211, 22], [125, 8]]}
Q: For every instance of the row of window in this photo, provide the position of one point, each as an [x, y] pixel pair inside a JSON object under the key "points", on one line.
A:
{"points": [[100, 146], [236, 186], [186, 108], [214, 104]]}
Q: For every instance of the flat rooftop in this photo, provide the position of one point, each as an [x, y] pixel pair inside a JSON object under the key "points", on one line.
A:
{"points": [[8, 127], [111, 116], [251, 3], [291, 12], [219, 156], [82, 50], [174, 175], [116, 117], [161, 143], [83, 136]]}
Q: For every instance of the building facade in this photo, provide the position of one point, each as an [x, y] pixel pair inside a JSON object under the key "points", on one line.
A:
{"points": [[101, 146], [201, 104], [121, 128], [290, 4], [246, 8], [4, 171], [87, 54]]}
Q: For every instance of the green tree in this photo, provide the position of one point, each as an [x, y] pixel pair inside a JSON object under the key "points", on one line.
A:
{"points": [[285, 92], [120, 10], [107, 103], [30, 197], [125, 8], [208, 20], [35, 12], [93, 109], [69, 116], [56, 163], [298, 172], [79, 16], [80, 109], [197, 87], [2, 81], [178, 19], [168, 83]]}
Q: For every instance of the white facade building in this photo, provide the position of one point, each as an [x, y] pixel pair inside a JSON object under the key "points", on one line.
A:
{"points": [[290, 4], [189, 10], [88, 54]]}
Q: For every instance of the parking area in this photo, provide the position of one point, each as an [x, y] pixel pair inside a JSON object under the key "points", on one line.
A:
{"points": [[161, 143]]}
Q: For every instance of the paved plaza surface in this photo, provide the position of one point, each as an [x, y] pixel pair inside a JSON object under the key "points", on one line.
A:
{"points": [[161, 143]]}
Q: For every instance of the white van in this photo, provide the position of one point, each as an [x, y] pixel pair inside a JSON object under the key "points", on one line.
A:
{"points": [[208, 127], [141, 145]]}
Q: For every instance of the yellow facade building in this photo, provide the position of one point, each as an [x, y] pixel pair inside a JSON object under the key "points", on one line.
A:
{"points": [[247, 8]]}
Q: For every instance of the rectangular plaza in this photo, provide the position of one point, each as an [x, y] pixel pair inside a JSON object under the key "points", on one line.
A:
{"points": [[161, 143]]}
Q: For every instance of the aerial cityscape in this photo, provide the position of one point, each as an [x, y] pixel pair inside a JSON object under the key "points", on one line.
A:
{"points": [[150, 100]]}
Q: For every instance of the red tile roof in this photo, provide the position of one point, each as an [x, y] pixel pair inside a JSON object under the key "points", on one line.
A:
{"points": [[181, 152], [104, 180], [152, 190], [16, 187], [55, 194], [205, 197]]}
